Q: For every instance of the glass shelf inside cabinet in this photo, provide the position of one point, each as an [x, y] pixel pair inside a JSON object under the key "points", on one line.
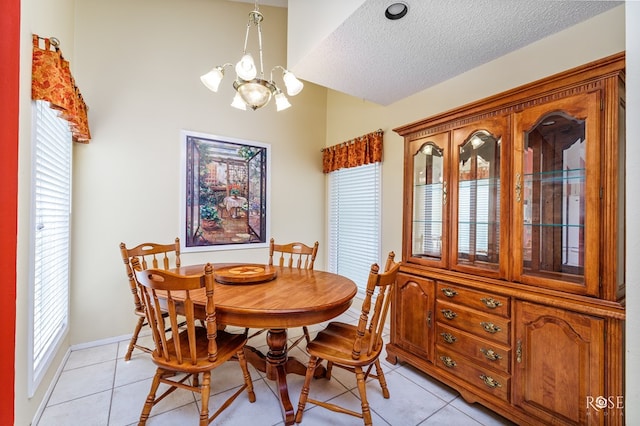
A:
{"points": [[554, 196], [429, 190], [479, 201]]}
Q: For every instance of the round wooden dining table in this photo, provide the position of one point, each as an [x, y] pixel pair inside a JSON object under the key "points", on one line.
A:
{"points": [[284, 298]]}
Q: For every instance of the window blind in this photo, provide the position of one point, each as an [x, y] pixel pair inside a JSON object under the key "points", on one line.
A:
{"points": [[51, 210], [428, 226], [354, 222], [477, 222]]}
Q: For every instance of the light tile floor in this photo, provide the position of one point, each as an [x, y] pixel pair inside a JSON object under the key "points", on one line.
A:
{"points": [[97, 387]]}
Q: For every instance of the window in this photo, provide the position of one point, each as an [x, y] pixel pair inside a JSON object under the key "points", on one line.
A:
{"points": [[354, 222], [51, 210]]}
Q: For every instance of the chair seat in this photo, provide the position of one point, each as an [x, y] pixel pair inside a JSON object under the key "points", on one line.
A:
{"points": [[228, 345], [335, 344], [143, 314]]}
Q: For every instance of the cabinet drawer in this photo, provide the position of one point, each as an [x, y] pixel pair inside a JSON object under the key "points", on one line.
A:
{"points": [[480, 350], [486, 326], [488, 380], [482, 301]]}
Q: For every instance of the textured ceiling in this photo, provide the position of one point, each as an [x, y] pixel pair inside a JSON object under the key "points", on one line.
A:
{"points": [[370, 57]]}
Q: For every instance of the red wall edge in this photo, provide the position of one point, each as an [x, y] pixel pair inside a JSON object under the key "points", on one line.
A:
{"points": [[9, 125]]}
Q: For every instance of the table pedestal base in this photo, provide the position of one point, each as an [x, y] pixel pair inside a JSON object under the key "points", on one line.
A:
{"points": [[276, 364]]}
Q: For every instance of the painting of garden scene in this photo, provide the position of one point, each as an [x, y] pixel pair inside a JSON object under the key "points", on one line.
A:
{"points": [[225, 192]]}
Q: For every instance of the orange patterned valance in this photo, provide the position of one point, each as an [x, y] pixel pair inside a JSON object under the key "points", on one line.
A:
{"points": [[51, 81], [363, 150]]}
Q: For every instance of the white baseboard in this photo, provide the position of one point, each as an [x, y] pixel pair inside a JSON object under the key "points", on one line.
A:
{"points": [[101, 342]]}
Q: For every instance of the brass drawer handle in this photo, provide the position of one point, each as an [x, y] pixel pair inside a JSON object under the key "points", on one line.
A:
{"points": [[490, 354], [519, 351], [490, 327], [490, 302], [448, 361], [490, 381], [448, 337], [518, 188], [449, 292], [449, 314]]}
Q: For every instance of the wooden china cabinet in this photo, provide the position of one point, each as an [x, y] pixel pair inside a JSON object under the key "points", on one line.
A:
{"points": [[512, 286]]}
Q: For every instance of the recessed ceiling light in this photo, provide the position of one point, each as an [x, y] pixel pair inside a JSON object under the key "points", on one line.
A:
{"points": [[396, 11]]}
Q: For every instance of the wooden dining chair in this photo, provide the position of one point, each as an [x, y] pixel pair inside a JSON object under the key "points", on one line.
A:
{"points": [[354, 347], [150, 255], [293, 255], [190, 349]]}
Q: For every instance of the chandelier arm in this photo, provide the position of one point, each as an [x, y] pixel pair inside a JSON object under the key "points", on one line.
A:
{"points": [[260, 45], [246, 35], [275, 68]]}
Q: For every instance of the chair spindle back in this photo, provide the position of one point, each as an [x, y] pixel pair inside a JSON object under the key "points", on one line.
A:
{"points": [[383, 283], [150, 255], [295, 254], [179, 301]]}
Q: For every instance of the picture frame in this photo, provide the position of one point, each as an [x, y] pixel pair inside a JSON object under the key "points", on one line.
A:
{"points": [[225, 196]]}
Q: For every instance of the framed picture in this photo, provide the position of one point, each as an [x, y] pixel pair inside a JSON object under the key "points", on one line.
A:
{"points": [[225, 196]]}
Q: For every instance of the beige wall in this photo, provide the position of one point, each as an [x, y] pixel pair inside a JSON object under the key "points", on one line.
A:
{"points": [[138, 69]]}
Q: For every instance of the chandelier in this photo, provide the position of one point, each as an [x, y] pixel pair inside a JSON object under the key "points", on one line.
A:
{"points": [[254, 91]]}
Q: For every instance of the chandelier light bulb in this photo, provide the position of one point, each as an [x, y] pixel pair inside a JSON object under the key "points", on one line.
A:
{"points": [[477, 142], [293, 85], [213, 78], [246, 68], [238, 102], [282, 102]]}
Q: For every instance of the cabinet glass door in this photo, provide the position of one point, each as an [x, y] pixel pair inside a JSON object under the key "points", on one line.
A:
{"points": [[554, 197], [429, 198], [557, 194], [478, 198]]}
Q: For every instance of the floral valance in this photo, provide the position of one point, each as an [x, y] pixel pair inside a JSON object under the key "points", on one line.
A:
{"points": [[363, 150], [51, 81]]}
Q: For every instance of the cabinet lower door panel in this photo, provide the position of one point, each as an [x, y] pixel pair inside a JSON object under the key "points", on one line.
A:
{"points": [[414, 301], [559, 363]]}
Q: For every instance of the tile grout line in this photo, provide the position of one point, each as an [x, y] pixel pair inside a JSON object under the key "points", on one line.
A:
{"points": [[113, 384]]}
